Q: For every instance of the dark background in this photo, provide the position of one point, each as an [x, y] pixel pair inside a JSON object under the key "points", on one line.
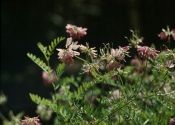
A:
{"points": [[26, 22]]}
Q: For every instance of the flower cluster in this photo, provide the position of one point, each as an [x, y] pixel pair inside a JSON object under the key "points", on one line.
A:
{"points": [[90, 51], [113, 57], [31, 121], [135, 40], [147, 52], [119, 53], [71, 48], [167, 34], [75, 32], [66, 55]]}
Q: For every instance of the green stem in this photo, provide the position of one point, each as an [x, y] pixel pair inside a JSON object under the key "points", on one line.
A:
{"points": [[81, 59]]}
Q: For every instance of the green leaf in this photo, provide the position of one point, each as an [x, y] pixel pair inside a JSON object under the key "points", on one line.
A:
{"points": [[43, 101], [49, 50], [60, 69], [53, 45], [39, 62], [43, 49]]}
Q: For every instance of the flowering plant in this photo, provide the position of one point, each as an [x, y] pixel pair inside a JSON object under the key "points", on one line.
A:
{"points": [[133, 84]]}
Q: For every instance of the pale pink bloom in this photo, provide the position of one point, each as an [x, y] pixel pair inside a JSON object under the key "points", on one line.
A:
{"points": [[163, 35], [31, 121], [68, 42], [75, 32], [167, 34], [120, 53], [49, 78], [71, 45], [169, 64], [147, 52], [125, 49], [66, 55]]}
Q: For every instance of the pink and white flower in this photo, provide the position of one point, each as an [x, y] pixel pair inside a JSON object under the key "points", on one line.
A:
{"points": [[167, 34], [163, 35], [31, 121], [75, 32], [147, 52], [66, 55], [119, 53]]}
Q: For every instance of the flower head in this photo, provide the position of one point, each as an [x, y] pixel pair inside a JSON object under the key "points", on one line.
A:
{"points": [[147, 52], [166, 34], [169, 64], [162, 35], [90, 51], [66, 55], [31, 121], [135, 39], [76, 32], [71, 45], [119, 53], [49, 78]]}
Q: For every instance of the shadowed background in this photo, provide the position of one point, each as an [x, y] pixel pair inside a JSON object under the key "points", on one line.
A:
{"points": [[26, 22]]}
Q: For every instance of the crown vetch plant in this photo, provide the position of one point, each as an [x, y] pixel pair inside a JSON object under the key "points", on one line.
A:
{"points": [[113, 86]]}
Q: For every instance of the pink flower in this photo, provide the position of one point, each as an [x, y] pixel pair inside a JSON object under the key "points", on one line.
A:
{"points": [[66, 55], [31, 121], [167, 34], [76, 32], [169, 64], [120, 53], [125, 48], [163, 35], [71, 45], [147, 52], [48, 79]]}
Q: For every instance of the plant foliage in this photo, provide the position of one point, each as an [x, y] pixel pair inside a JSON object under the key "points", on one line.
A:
{"points": [[123, 85]]}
